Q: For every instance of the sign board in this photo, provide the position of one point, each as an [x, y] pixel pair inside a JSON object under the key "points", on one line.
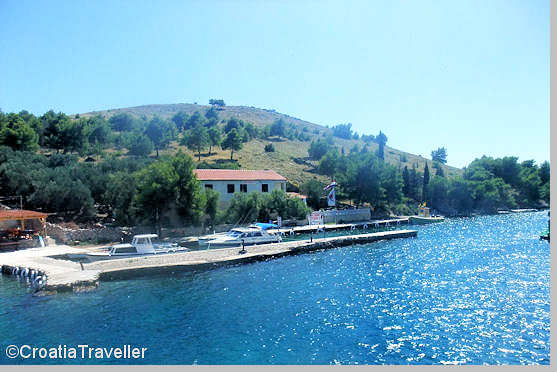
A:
{"points": [[279, 221], [315, 218]]}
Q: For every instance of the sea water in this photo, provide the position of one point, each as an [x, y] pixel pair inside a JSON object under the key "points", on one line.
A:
{"points": [[465, 291]]}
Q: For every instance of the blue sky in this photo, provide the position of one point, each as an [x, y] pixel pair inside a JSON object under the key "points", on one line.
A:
{"points": [[472, 76]]}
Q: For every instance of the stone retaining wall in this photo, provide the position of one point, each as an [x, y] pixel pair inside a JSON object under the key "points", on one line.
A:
{"points": [[109, 234], [346, 215]]}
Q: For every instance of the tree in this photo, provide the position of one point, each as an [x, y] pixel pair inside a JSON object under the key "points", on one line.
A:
{"points": [[196, 139], [156, 191], [244, 207], [529, 183], [233, 141], [212, 114], [269, 147], [215, 137], [97, 130], [391, 182], [313, 189], [317, 149], [329, 163], [180, 119], [439, 155], [426, 181], [461, 195], [382, 141], [233, 123], [119, 194], [217, 102], [17, 134], [413, 183], [123, 122], [362, 180], [189, 199], [53, 126], [438, 169], [438, 189], [251, 130], [33, 122], [194, 120], [278, 128], [343, 131], [406, 181], [73, 135], [544, 172], [140, 145], [161, 132], [211, 205], [367, 138]]}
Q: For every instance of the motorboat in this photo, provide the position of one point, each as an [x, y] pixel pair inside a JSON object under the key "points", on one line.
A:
{"points": [[141, 245], [252, 235]]}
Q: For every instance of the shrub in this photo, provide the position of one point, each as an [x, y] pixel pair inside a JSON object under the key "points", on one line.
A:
{"points": [[269, 147]]}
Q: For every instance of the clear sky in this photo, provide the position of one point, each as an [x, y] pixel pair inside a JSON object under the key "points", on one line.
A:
{"points": [[472, 76]]}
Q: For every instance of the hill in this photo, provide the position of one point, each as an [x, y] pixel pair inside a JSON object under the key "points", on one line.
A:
{"points": [[290, 157]]}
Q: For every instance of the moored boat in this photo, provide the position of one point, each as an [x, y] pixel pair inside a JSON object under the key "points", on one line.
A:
{"points": [[421, 220], [144, 244], [242, 236]]}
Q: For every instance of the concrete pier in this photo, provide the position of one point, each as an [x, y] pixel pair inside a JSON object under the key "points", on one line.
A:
{"points": [[64, 275], [306, 229]]}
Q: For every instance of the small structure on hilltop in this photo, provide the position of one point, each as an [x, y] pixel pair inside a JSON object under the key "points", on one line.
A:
{"points": [[229, 181]]}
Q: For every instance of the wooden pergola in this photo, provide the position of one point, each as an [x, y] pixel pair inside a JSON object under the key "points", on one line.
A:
{"points": [[23, 215]]}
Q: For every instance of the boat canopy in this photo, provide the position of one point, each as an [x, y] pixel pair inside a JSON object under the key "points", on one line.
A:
{"points": [[265, 226], [146, 236]]}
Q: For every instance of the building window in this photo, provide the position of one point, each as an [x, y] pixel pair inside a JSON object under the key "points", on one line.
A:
{"points": [[265, 187], [230, 188], [243, 187], [209, 186]]}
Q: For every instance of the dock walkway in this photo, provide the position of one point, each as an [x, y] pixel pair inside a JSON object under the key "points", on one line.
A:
{"points": [[64, 275], [307, 229]]}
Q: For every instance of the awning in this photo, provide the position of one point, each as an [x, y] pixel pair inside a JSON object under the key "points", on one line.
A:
{"points": [[20, 215]]}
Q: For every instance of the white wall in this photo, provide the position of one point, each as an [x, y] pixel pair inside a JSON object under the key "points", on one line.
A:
{"points": [[222, 187]]}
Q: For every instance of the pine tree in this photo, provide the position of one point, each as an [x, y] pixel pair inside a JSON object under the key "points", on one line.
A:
{"points": [[405, 181], [426, 181]]}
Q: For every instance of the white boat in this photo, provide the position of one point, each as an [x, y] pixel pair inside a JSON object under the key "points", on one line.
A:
{"points": [[251, 235], [145, 244]]}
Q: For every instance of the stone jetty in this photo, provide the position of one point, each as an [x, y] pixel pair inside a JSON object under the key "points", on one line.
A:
{"points": [[65, 275]]}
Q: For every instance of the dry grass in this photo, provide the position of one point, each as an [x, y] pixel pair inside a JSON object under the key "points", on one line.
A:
{"points": [[290, 157]]}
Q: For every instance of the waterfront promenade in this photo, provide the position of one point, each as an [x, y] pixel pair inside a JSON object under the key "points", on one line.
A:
{"points": [[65, 275]]}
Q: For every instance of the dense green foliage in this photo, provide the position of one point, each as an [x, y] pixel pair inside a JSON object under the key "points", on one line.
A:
{"points": [[258, 206], [381, 139], [487, 184], [140, 189], [17, 133], [317, 149], [313, 189], [343, 131], [217, 102], [233, 141], [439, 155]]}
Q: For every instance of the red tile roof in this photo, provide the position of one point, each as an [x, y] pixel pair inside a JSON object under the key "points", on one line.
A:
{"points": [[18, 214], [237, 175]]}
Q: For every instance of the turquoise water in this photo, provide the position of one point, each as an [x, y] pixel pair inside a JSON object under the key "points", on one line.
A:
{"points": [[469, 290]]}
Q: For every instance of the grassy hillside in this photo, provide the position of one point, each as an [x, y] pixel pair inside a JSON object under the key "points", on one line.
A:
{"points": [[290, 157]]}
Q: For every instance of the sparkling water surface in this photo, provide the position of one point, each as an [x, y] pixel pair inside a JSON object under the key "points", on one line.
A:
{"points": [[468, 290]]}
